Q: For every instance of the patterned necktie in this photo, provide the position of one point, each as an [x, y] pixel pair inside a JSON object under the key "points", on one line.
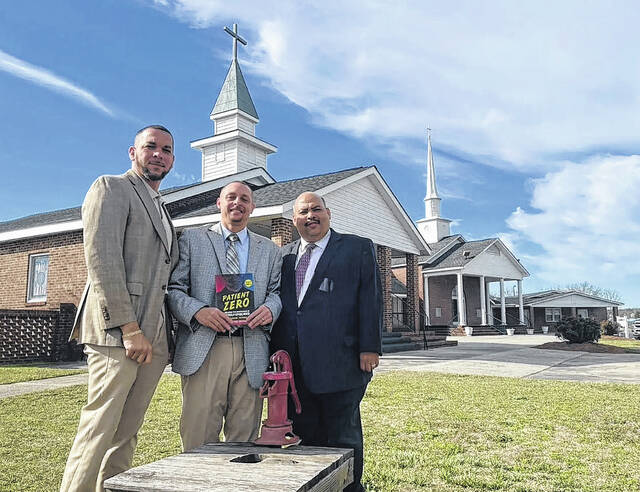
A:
{"points": [[233, 262], [301, 269]]}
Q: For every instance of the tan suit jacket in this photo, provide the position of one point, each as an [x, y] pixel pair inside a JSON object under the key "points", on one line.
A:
{"points": [[128, 261]]}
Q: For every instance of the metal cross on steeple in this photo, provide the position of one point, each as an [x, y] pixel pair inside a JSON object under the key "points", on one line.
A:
{"points": [[236, 37]]}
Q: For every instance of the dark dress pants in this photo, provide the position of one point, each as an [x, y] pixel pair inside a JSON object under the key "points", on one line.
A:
{"points": [[332, 420]]}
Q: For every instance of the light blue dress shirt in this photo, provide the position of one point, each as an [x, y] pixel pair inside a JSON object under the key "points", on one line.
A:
{"points": [[242, 246]]}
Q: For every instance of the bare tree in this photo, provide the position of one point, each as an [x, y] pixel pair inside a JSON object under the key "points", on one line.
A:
{"points": [[594, 290]]}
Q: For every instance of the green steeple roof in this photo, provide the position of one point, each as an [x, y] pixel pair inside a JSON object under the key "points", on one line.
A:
{"points": [[234, 93]]}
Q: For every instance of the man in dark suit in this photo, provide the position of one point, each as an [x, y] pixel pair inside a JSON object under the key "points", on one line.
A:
{"points": [[331, 326]]}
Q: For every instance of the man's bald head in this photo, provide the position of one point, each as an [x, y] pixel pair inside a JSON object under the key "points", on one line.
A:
{"points": [[311, 216]]}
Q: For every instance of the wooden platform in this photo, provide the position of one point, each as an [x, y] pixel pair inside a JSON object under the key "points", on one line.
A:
{"points": [[242, 467]]}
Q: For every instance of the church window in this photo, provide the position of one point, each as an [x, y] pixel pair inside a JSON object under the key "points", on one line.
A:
{"points": [[38, 275], [552, 315]]}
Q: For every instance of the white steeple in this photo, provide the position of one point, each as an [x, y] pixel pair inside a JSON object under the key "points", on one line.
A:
{"points": [[433, 227], [431, 200], [233, 148]]}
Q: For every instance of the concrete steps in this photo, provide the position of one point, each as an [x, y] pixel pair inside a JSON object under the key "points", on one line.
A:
{"points": [[396, 342], [486, 330], [409, 340]]}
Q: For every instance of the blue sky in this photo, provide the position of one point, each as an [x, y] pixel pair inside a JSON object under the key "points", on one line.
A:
{"points": [[534, 108]]}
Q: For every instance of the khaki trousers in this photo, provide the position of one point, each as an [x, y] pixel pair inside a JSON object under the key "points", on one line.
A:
{"points": [[119, 393], [219, 391]]}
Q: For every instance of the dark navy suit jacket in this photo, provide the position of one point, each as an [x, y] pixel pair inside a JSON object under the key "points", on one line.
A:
{"points": [[339, 317]]}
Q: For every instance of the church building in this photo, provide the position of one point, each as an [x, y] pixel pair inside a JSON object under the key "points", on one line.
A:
{"points": [[42, 268]]}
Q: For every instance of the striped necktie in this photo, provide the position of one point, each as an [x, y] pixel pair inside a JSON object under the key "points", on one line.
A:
{"points": [[301, 269], [233, 261]]}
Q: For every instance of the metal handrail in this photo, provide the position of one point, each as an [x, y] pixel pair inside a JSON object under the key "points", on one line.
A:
{"points": [[526, 323], [421, 313]]}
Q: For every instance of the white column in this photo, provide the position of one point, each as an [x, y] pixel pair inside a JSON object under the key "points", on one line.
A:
{"points": [[462, 318], [489, 310], [425, 293], [483, 301], [503, 308], [521, 305]]}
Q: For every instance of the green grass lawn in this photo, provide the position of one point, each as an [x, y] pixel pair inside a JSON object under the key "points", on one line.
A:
{"points": [[423, 431], [30, 372], [630, 344]]}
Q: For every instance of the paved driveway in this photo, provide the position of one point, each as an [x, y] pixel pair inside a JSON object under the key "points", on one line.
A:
{"points": [[514, 356]]}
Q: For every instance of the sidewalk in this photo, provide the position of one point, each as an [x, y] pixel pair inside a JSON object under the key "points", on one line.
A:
{"points": [[513, 356], [505, 356], [15, 389]]}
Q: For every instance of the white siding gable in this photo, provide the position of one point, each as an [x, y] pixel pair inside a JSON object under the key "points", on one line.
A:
{"points": [[493, 263], [361, 209], [573, 300]]}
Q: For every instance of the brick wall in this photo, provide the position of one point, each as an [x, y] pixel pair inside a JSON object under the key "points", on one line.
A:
{"points": [[37, 335], [440, 289], [401, 274], [472, 298], [67, 271], [440, 297], [599, 314], [281, 231], [413, 301], [383, 254]]}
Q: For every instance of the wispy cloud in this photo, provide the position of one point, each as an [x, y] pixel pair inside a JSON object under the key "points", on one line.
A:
{"points": [[180, 178], [504, 84], [509, 97], [583, 224], [45, 78]]}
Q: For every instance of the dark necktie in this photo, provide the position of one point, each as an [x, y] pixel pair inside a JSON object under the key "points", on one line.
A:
{"points": [[233, 261], [301, 269]]}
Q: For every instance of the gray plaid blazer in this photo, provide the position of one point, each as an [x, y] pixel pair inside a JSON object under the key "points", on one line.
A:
{"points": [[192, 287]]}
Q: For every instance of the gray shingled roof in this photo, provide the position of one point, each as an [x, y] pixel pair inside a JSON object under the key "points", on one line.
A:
{"points": [[46, 218], [456, 257], [234, 93], [435, 248], [268, 195], [443, 243], [282, 192], [59, 216]]}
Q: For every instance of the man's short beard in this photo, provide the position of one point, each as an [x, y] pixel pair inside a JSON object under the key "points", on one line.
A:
{"points": [[153, 177]]}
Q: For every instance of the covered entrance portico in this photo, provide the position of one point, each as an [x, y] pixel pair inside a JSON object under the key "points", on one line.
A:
{"points": [[457, 284]]}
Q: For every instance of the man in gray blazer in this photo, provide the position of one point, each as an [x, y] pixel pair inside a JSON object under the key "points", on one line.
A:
{"points": [[222, 366], [130, 248]]}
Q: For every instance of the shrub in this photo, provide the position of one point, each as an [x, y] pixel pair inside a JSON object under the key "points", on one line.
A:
{"points": [[578, 330], [609, 327]]}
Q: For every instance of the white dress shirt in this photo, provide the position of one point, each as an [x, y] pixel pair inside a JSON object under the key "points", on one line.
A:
{"points": [[157, 200], [316, 253]]}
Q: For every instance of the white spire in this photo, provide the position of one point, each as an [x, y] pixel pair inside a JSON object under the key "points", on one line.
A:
{"points": [[431, 200], [432, 192], [433, 227]]}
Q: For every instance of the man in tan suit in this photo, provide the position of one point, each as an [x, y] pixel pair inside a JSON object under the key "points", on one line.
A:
{"points": [[130, 249]]}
